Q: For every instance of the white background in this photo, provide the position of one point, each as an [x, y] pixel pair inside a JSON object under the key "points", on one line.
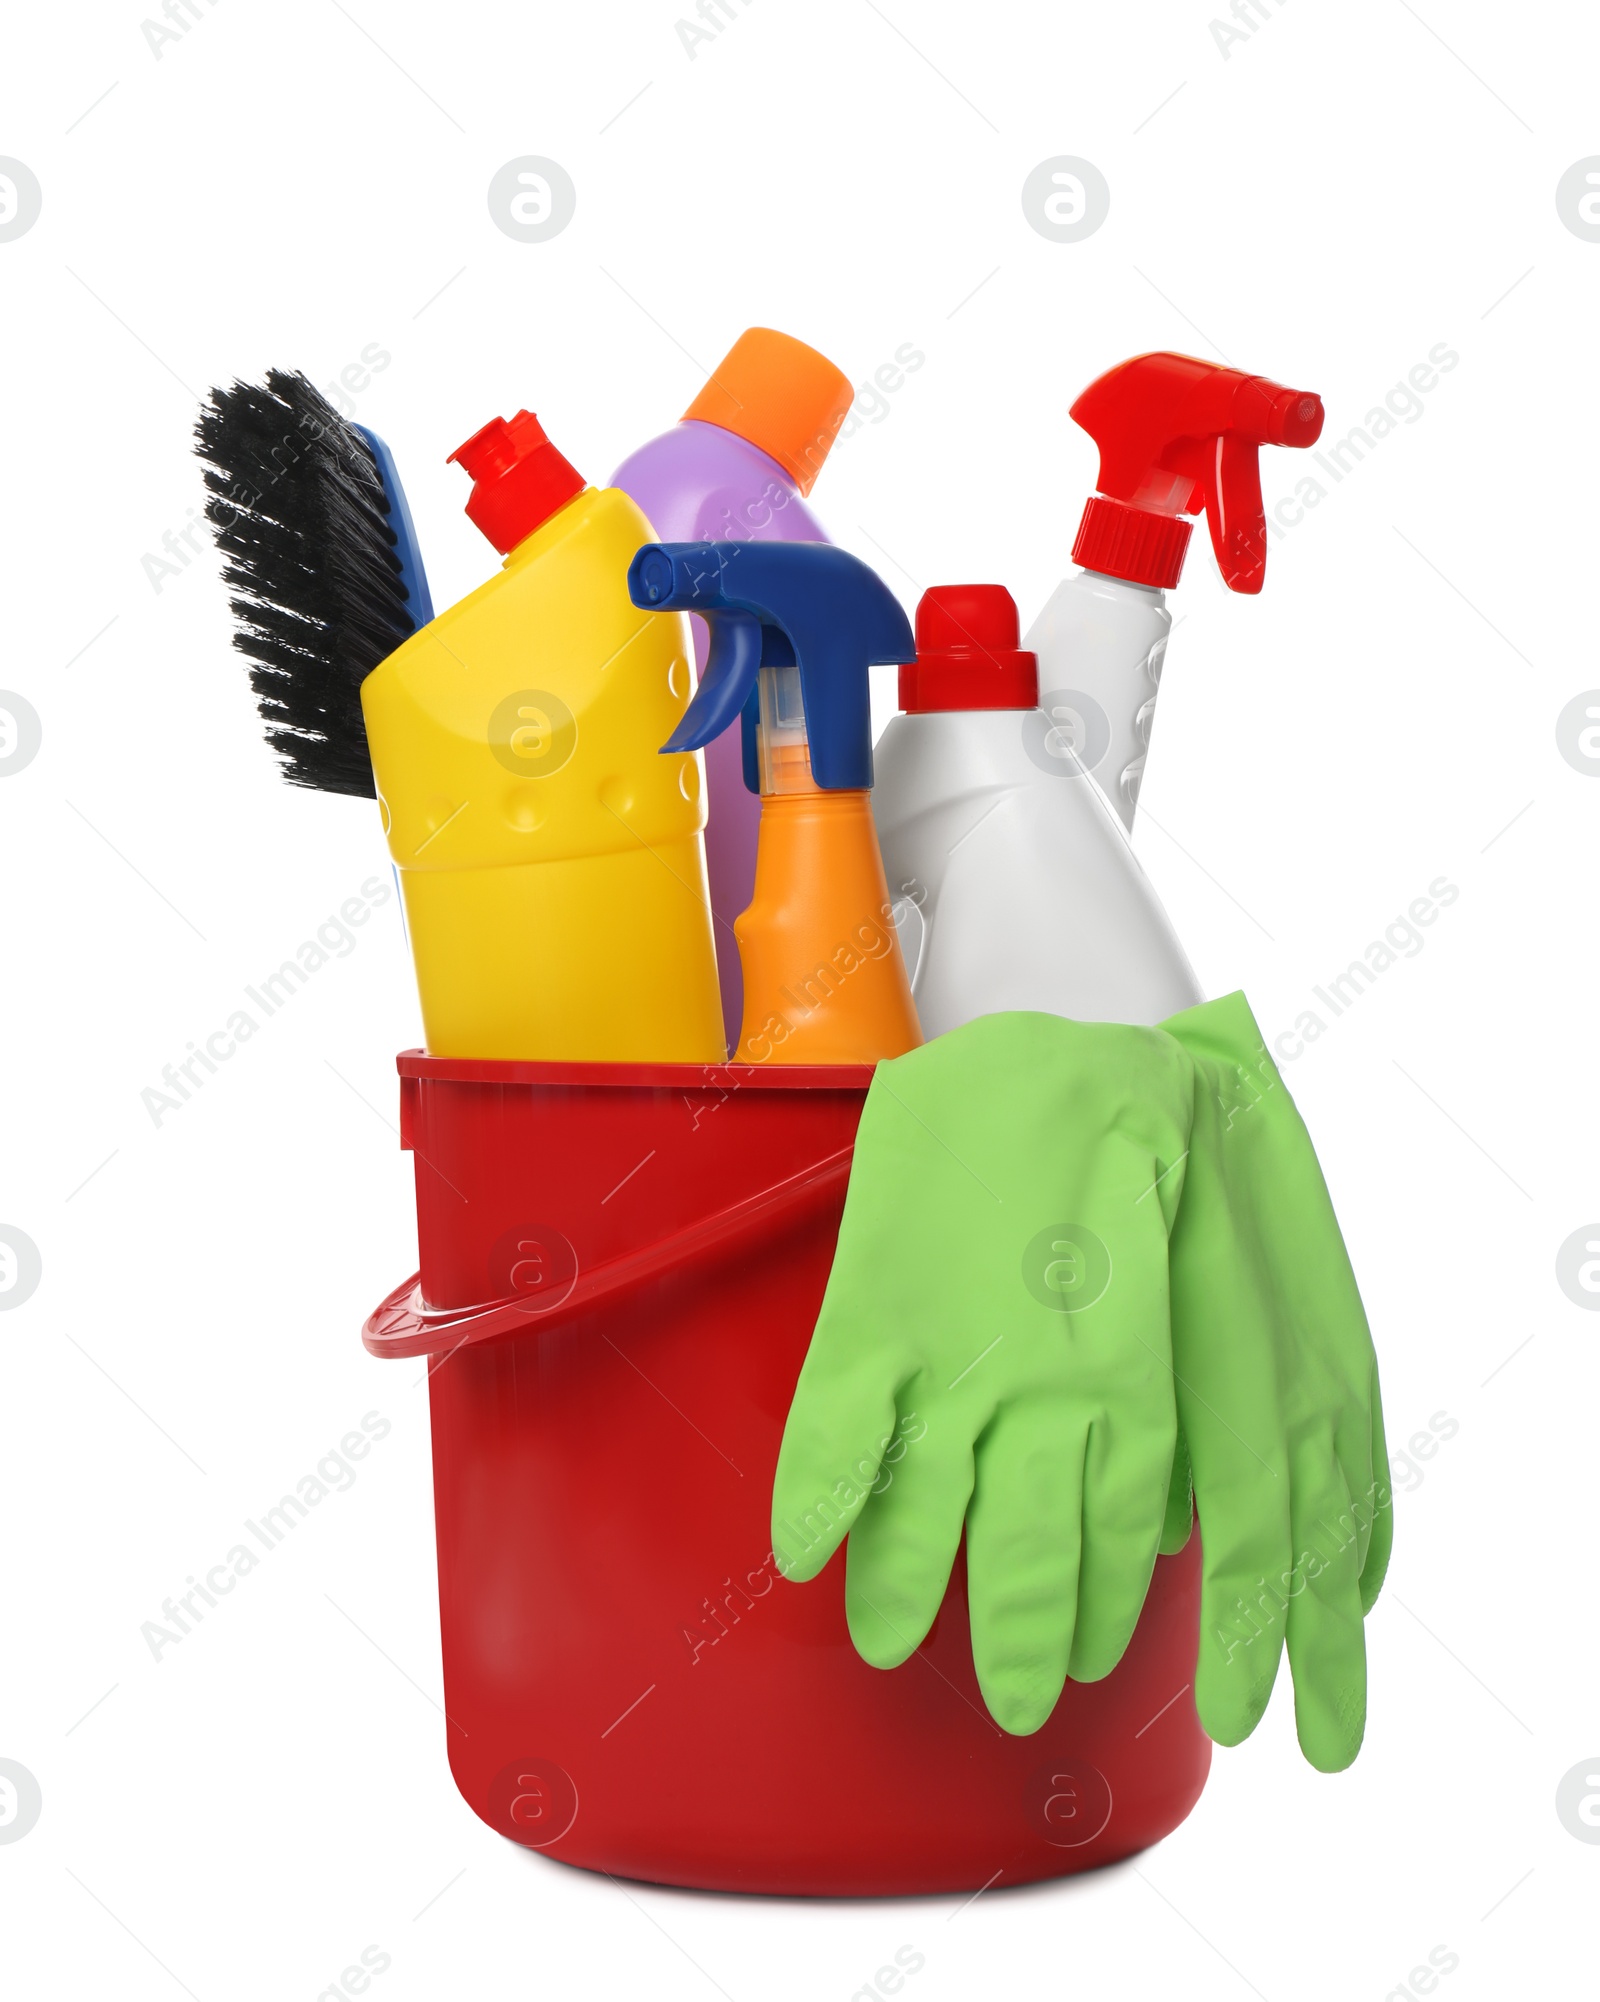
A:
{"points": [[1342, 191]]}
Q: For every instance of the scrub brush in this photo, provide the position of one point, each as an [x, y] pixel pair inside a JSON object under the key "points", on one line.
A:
{"points": [[308, 512]]}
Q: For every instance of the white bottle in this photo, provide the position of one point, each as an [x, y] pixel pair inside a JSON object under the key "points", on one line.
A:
{"points": [[1015, 883], [1100, 643]]}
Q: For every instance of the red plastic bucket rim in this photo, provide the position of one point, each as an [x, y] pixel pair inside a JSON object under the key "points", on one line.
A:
{"points": [[675, 1077]]}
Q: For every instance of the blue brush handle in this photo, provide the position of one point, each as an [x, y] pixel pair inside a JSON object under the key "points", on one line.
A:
{"points": [[407, 548]]}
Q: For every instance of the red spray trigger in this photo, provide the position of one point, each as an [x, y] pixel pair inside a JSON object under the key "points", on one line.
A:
{"points": [[1177, 435]]}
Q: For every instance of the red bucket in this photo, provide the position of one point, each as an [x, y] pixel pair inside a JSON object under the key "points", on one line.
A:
{"points": [[621, 1266]]}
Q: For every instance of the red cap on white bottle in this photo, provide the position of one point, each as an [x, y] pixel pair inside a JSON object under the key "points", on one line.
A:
{"points": [[967, 653]]}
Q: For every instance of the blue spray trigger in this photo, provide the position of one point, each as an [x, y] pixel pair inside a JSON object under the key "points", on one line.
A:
{"points": [[775, 652], [726, 685], [750, 742], [808, 604]]}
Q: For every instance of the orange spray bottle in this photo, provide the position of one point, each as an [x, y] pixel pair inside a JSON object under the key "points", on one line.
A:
{"points": [[794, 628]]}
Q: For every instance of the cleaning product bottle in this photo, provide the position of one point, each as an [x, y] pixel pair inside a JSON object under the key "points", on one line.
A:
{"points": [[1175, 435], [551, 861], [794, 628], [1019, 888], [738, 468]]}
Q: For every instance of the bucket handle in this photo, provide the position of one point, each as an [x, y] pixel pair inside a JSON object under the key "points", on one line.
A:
{"points": [[404, 1326]]}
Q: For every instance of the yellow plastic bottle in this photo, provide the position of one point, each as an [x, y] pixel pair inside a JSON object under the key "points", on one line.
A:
{"points": [[551, 860]]}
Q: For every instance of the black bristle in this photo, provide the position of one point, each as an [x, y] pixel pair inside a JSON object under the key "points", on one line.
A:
{"points": [[299, 512]]}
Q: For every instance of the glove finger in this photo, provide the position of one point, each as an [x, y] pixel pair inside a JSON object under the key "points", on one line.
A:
{"points": [[1243, 1510], [1128, 1473], [905, 1541], [1380, 1544], [1327, 1646], [1331, 1330], [830, 1459], [1178, 1524], [1022, 1561], [1223, 1364]]}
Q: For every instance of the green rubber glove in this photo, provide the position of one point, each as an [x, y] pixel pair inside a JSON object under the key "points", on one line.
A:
{"points": [[1278, 1400], [993, 1350]]}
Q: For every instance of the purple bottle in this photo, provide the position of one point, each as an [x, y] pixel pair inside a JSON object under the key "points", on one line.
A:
{"points": [[738, 468]]}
